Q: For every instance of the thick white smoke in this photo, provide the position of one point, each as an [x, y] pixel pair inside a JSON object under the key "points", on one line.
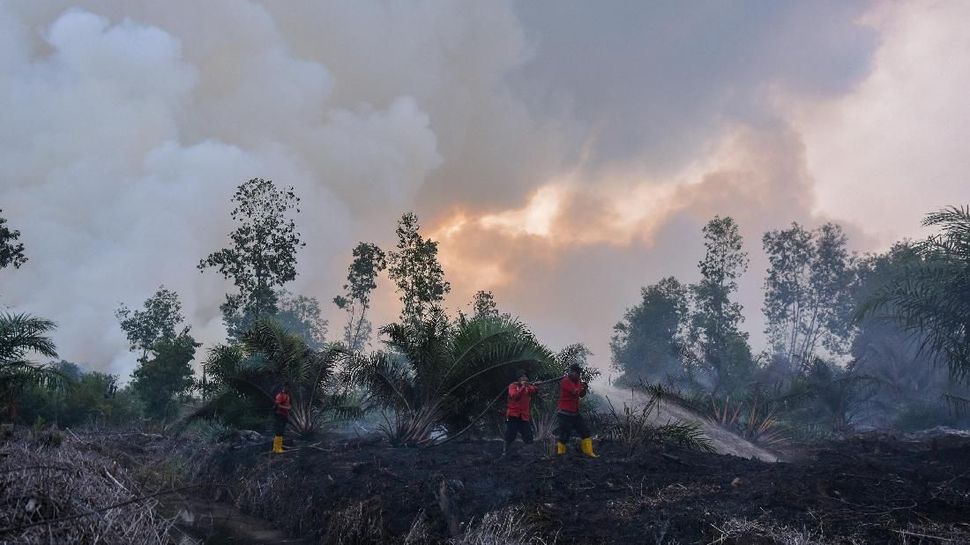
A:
{"points": [[121, 148], [126, 126]]}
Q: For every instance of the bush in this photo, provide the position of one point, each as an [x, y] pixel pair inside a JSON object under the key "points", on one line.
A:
{"points": [[634, 428], [440, 376]]}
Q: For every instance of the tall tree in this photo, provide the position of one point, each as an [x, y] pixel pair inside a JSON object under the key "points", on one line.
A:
{"points": [[415, 269], [808, 293], [647, 343], [165, 379], [369, 261], [11, 251], [721, 348], [262, 256], [161, 318]]}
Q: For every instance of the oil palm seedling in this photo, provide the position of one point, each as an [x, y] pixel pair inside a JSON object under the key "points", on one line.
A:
{"points": [[22, 335], [268, 357], [434, 377]]}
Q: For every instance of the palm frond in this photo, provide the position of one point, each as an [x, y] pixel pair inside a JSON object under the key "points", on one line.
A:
{"points": [[389, 381], [930, 297], [21, 334]]}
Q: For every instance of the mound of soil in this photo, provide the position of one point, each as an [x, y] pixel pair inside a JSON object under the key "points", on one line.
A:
{"points": [[872, 489]]}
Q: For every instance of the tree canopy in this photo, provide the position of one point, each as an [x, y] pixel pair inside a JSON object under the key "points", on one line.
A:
{"points": [[11, 251], [262, 254]]}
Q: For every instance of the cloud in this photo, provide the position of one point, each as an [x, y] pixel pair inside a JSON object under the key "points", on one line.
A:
{"points": [[894, 148]]}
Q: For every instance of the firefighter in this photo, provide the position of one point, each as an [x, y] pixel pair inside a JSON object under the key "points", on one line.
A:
{"points": [[518, 412], [282, 415], [571, 388]]}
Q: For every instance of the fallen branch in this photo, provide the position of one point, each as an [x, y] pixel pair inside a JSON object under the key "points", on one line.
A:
{"points": [[21, 527], [917, 534]]}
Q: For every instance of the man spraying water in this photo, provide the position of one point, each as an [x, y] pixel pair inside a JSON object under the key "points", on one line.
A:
{"points": [[571, 389], [518, 411]]}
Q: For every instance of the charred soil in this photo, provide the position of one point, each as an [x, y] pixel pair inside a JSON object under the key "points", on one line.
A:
{"points": [[868, 489]]}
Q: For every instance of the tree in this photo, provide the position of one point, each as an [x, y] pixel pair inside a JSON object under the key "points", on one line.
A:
{"points": [[720, 347], [808, 293], [263, 252], [415, 269], [84, 398], [11, 251], [160, 319], [647, 343], [911, 390], [444, 376], [247, 375], [21, 335], [828, 394], [165, 380], [483, 305], [369, 261], [931, 295], [301, 315]]}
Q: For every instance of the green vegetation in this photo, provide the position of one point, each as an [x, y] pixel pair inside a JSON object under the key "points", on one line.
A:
{"points": [[417, 274], [930, 295], [439, 377], [369, 261], [648, 342], [875, 340], [20, 336], [262, 256], [247, 374], [872, 341], [11, 251]]}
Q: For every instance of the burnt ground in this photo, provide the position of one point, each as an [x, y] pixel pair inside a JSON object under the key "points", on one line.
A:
{"points": [[868, 489]]}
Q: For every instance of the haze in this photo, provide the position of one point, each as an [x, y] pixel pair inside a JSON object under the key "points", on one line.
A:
{"points": [[564, 153]]}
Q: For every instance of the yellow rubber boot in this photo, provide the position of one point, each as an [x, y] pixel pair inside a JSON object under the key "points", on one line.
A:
{"points": [[278, 444], [587, 447], [560, 448]]}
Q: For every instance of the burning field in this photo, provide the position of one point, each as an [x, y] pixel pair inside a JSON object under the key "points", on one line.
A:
{"points": [[81, 488], [867, 489]]}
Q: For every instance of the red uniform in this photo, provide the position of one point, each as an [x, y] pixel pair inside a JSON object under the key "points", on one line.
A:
{"points": [[569, 393], [283, 404], [520, 400]]}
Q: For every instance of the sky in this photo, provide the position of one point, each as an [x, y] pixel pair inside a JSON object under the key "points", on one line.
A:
{"points": [[563, 153]]}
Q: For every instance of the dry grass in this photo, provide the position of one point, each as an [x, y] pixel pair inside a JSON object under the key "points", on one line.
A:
{"points": [[359, 524], [508, 526], [57, 488], [752, 531]]}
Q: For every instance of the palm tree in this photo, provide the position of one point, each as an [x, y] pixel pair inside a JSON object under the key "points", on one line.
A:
{"points": [[931, 295], [438, 376], [20, 336], [268, 357]]}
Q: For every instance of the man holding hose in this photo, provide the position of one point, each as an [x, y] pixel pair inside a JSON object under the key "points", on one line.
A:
{"points": [[571, 389]]}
